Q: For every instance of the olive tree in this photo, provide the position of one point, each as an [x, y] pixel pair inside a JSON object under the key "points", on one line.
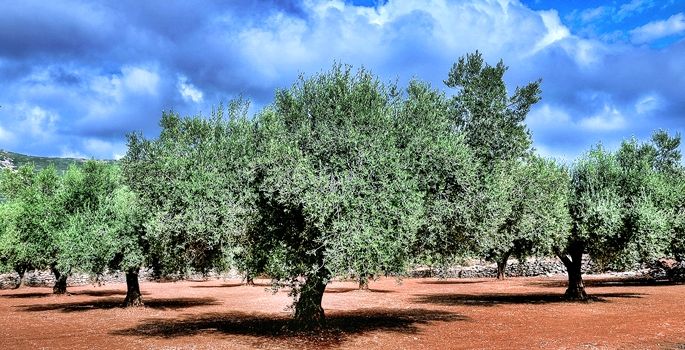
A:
{"points": [[334, 190], [667, 160], [492, 121], [493, 125], [445, 170], [29, 233], [106, 233], [194, 183], [526, 212], [618, 210]]}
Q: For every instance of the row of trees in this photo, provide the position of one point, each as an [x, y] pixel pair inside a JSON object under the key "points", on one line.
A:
{"points": [[346, 176], [84, 219]]}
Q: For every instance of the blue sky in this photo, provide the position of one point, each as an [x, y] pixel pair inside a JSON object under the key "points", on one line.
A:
{"points": [[77, 76]]}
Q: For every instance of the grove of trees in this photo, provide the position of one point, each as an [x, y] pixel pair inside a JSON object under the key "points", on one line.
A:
{"points": [[345, 176]]}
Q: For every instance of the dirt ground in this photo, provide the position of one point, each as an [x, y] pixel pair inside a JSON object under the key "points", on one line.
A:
{"points": [[518, 313]]}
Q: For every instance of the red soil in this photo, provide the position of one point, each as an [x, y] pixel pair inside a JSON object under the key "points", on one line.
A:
{"points": [[518, 313]]}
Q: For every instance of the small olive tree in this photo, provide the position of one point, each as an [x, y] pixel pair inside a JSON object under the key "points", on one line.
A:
{"points": [[29, 233], [527, 210], [194, 182], [618, 209], [107, 233]]}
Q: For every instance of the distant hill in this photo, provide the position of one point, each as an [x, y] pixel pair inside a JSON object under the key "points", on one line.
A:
{"points": [[11, 159]]}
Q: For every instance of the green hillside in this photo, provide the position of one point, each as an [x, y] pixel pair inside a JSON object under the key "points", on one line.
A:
{"points": [[17, 159]]}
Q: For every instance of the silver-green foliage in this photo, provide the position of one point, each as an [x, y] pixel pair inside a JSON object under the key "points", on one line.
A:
{"points": [[31, 216], [526, 209], [107, 232], [619, 204], [336, 192], [194, 182]]}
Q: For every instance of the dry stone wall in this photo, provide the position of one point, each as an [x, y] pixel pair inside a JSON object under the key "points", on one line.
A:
{"points": [[47, 279], [473, 269]]}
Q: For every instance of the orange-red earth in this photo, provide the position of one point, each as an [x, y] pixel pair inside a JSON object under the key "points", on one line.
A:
{"points": [[517, 313]]}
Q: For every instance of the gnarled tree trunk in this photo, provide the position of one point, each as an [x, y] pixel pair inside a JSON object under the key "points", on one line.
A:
{"points": [[573, 262], [22, 275], [133, 295], [502, 266], [249, 278], [308, 311], [363, 282], [60, 286]]}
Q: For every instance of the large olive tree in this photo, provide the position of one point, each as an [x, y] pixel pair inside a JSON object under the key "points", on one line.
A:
{"points": [[335, 192], [509, 176]]}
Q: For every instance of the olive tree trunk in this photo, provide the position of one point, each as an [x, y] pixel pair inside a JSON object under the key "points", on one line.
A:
{"points": [[502, 266], [133, 295], [363, 282], [22, 277], [308, 311], [60, 286], [573, 262]]}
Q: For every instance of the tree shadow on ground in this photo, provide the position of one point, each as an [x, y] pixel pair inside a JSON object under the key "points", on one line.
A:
{"points": [[27, 295], [279, 331], [102, 293], [454, 281], [221, 286], [339, 290], [112, 303], [92, 293], [611, 282], [504, 299]]}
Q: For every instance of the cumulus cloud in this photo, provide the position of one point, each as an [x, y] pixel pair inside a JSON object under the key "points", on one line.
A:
{"points": [[113, 150], [659, 29], [140, 80], [608, 119], [97, 71], [555, 30], [39, 122], [188, 91]]}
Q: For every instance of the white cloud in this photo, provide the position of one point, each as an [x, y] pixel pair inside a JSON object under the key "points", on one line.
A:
{"points": [[555, 30], [6, 136], [67, 152], [140, 80], [659, 29], [547, 116], [100, 149], [398, 38], [37, 121], [592, 14], [648, 103], [633, 7], [132, 80], [609, 119], [188, 91]]}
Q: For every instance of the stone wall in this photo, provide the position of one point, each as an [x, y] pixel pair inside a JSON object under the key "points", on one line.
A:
{"points": [[529, 268], [472, 269], [47, 279]]}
